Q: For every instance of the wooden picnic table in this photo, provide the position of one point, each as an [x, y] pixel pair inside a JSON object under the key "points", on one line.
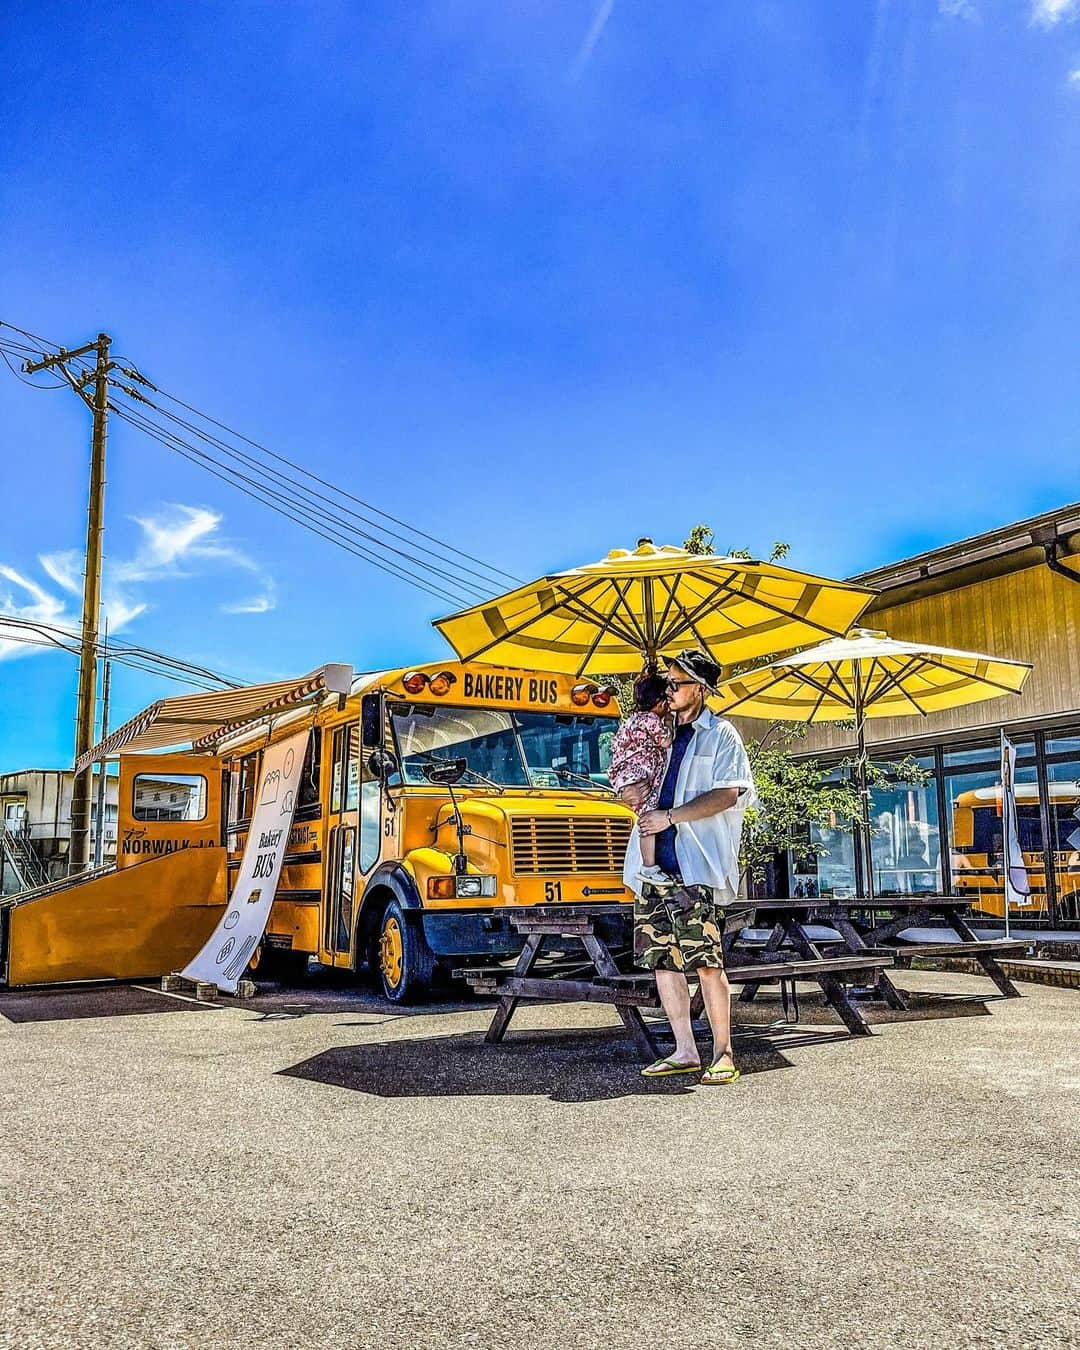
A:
{"points": [[605, 977], [859, 927]]}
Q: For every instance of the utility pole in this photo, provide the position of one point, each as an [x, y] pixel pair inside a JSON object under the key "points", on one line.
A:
{"points": [[103, 779], [79, 850]]}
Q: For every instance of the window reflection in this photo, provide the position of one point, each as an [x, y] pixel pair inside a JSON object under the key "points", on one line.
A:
{"points": [[1064, 799], [976, 838]]}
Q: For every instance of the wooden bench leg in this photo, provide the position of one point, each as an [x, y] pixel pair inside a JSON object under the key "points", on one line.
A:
{"points": [[639, 1031], [775, 942], [508, 1003], [1004, 984], [851, 1016], [893, 997], [501, 1020]]}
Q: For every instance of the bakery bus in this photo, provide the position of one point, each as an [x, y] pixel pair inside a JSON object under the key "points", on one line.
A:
{"points": [[431, 799], [977, 847]]}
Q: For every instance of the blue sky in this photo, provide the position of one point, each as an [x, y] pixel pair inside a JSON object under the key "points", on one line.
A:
{"points": [[537, 277]]}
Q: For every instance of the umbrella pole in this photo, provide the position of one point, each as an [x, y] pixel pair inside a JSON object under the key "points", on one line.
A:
{"points": [[866, 851]]}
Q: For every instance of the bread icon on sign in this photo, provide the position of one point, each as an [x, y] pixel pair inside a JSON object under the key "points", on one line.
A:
{"points": [[287, 803], [271, 784]]}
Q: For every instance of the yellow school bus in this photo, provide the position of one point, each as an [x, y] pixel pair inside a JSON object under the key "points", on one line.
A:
{"points": [[438, 796], [977, 862]]}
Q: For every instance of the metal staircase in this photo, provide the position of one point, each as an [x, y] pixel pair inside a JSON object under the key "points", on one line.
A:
{"points": [[18, 851]]}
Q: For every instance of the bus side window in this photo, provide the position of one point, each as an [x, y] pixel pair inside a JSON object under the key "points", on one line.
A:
{"points": [[307, 794], [248, 780]]}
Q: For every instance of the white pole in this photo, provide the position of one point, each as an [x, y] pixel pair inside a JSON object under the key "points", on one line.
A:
{"points": [[1006, 826]]}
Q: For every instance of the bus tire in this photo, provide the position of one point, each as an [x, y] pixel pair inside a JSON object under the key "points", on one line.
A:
{"points": [[404, 959]]}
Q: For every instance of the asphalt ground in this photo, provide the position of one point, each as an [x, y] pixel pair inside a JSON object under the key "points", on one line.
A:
{"points": [[317, 1168]]}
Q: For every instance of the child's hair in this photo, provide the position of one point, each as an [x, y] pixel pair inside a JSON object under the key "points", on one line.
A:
{"points": [[649, 688]]}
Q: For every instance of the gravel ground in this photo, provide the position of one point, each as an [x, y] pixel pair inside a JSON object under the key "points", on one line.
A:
{"points": [[316, 1168]]}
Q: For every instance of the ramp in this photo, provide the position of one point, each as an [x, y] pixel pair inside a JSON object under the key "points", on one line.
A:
{"points": [[144, 920]]}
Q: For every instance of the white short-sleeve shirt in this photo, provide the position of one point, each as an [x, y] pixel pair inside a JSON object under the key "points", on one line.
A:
{"points": [[707, 849]]}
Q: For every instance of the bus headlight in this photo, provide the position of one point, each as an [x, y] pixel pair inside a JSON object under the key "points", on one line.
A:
{"points": [[470, 887]]}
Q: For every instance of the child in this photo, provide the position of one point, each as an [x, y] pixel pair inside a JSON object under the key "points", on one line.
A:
{"points": [[638, 756]]}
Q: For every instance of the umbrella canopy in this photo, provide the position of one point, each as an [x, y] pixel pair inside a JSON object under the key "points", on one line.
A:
{"points": [[607, 616], [868, 674]]}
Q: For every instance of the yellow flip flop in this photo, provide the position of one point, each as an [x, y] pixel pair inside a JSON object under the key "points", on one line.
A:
{"points": [[666, 1068], [717, 1075]]}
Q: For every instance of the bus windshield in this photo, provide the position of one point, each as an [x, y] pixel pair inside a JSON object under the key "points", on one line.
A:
{"points": [[512, 749]]}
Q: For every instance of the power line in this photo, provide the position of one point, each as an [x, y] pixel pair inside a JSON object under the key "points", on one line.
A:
{"points": [[331, 517], [258, 493], [498, 571], [139, 658]]}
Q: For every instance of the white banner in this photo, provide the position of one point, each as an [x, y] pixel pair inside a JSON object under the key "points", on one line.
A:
{"points": [[227, 952], [1017, 886]]}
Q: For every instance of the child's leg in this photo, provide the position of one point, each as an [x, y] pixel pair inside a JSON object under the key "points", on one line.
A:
{"points": [[648, 850]]}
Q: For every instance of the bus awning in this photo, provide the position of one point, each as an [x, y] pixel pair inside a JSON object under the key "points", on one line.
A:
{"points": [[204, 719]]}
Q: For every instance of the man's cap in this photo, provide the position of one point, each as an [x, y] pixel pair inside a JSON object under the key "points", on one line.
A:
{"points": [[699, 666]]}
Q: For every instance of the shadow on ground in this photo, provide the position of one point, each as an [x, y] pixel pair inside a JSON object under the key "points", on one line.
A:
{"points": [[576, 1066], [923, 1006], [105, 1000]]}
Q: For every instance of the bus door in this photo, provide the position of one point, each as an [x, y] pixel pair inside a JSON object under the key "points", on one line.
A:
{"points": [[166, 803], [342, 828]]}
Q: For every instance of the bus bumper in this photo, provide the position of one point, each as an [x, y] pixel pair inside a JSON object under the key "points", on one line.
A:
{"points": [[490, 933]]}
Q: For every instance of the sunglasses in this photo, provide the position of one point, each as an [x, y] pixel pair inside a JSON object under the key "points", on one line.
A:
{"points": [[673, 685]]}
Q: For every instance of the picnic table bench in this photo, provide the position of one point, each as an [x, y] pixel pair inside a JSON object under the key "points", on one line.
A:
{"points": [[914, 911], [601, 980]]}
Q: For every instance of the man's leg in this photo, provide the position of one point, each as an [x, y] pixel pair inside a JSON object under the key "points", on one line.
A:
{"points": [[716, 992], [675, 997]]}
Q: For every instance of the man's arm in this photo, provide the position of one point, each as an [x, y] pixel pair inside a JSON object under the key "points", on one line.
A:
{"points": [[710, 803]]}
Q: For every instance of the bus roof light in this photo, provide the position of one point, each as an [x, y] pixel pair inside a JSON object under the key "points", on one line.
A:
{"points": [[601, 698], [581, 693], [415, 682], [441, 684]]}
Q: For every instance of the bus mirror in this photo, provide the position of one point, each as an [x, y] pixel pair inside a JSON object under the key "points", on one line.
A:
{"points": [[382, 765], [371, 721]]}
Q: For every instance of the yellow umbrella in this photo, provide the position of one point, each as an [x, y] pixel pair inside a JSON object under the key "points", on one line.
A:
{"points": [[868, 674], [607, 616]]}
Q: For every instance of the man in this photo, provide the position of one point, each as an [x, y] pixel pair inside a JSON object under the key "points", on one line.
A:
{"points": [[697, 823]]}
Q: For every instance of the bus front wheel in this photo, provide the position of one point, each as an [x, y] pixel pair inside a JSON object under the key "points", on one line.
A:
{"points": [[405, 960]]}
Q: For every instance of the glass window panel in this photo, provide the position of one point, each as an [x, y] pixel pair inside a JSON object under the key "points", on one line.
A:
{"points": [[905, 841], [987, 752], [1064, 789], [830, 869], [308, 792], [976, 838], [352, 768], [370, 824], [186, 793], [1065, 744]]}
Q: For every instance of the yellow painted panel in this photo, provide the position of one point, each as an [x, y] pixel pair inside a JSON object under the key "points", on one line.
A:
{"points": [[145, 920]]}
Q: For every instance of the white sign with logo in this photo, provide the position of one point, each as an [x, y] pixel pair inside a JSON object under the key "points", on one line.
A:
{"points": [[1017, 886], [227, 952]]}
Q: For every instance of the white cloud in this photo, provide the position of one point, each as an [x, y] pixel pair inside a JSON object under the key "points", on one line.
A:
{"points": [[255, 604], [1047, 13], [592, 37], [1073, 79], [177, 542], [958, 9]]}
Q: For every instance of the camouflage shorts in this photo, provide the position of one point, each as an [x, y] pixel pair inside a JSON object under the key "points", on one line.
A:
{"points": [[680, 929]]}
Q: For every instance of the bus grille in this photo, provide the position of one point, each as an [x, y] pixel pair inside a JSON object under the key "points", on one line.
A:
{"points": [[551, 845]]}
